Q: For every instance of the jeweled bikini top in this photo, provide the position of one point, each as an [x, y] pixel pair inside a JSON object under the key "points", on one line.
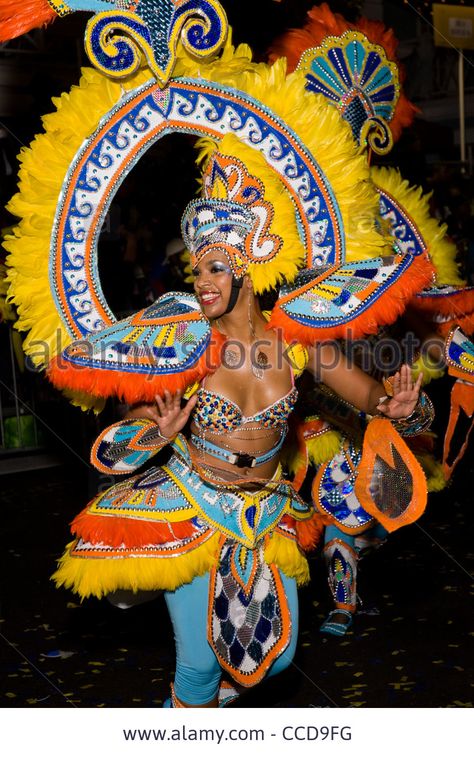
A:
{"points": [[216, 413]]}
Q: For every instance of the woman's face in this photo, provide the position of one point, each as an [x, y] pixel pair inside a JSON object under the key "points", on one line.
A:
{"points": [[213, 283]]}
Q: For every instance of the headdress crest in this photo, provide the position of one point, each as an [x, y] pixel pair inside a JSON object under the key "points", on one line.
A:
{"points": [[235, 216]]}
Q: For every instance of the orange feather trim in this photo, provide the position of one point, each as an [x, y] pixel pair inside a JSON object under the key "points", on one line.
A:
{"points": [[460, 302], [465, 323], [116, 531], [309, 532], [322, 23], [133, 387], [458, 307], [376, 493], [383, 312], [19, 18]]}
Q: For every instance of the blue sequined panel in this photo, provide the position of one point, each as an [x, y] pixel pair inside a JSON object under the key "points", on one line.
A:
{"points": [[460, 354], [116, 36], [335, 495], [356, 115], [406, 234], [159, 23], [341, 563], [355, 76], [246, 621], [199, 36], [123, 58], [125, 446]]}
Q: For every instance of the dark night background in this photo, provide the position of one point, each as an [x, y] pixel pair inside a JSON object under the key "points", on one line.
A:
{"points": [[411, 645]]}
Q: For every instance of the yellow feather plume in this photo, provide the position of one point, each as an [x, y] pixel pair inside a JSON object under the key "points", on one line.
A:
{"points": [[429, 368], [7, 313], [286, 554], [441, 250], [105, 575], [43, 167], [433, 471], [322, 448]]}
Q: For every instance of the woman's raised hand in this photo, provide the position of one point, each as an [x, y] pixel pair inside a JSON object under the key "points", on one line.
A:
{"points": [[167, 413], [405, 394], [170, 416]]}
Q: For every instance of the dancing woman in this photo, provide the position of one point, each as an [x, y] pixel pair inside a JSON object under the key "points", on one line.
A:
{"points": [[216, 526]]}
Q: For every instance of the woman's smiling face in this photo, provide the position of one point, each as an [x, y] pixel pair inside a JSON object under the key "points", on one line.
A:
{"points": [[213, 283]]}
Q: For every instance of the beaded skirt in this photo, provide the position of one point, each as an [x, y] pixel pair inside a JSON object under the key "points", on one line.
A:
{"points": [[169, 524]]}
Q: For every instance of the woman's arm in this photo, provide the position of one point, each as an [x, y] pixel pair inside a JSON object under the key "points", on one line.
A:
{"points": [[146, 428], [328, 364]]}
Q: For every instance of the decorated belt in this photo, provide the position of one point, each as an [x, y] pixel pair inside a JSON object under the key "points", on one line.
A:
{"points": [[240, 459]]}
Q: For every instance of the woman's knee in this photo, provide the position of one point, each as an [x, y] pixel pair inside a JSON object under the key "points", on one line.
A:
{"points": [[200, 666], [286, 657]]}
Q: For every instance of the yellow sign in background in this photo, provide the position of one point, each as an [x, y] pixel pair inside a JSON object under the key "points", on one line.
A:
{"points": [[453, 26]]}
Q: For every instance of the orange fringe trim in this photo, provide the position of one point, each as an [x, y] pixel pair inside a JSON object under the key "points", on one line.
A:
{"points": [[459, 305], [322, 23], [115, 531], [17, 18], [462, 398], [133, 387], [465, 323], [461, 301], [383, 312]]}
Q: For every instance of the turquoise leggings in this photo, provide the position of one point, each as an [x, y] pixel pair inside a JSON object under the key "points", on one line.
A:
{"points": [[333, 532], [198, 672]]}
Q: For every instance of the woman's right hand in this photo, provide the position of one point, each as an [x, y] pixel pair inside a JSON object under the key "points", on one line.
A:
{"points": [[167, 413]]}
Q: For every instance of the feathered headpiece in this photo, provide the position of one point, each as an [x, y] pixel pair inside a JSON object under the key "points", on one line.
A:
{"points": [[246, 213]]}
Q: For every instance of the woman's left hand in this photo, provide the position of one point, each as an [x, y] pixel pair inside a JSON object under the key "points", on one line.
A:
{"points": [[405, 395]]}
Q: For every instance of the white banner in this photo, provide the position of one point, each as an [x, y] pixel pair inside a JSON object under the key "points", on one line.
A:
{"points": [[267, 733]]}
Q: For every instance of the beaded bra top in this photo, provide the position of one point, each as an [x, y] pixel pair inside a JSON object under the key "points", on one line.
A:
{"points": [[216, 413]]}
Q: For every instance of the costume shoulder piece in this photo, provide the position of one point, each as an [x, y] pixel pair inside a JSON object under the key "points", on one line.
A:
{"points": [[168, 345], [351, 300]]}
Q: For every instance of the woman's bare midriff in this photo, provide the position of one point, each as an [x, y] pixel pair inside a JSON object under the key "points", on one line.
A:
{"points": [[253, 442]]}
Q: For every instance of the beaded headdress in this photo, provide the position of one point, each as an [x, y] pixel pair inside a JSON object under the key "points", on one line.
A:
{"points": [[235, 217]]}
